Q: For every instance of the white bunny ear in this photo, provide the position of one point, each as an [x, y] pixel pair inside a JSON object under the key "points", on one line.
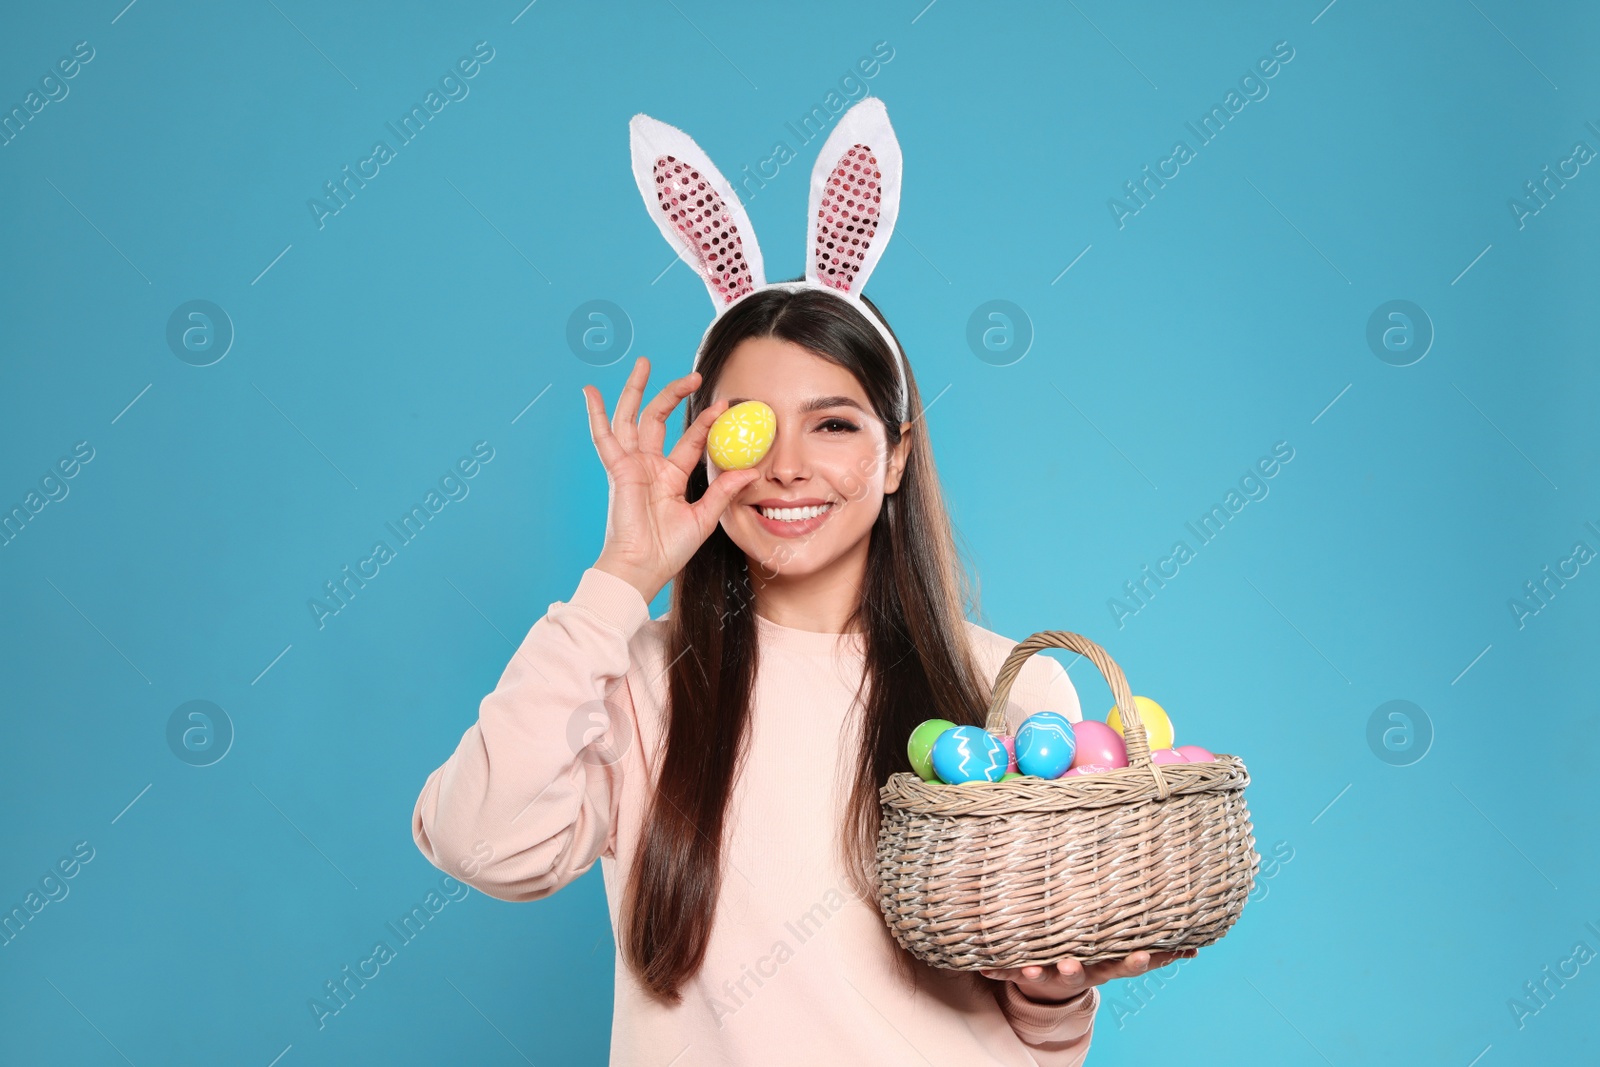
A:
{"points": [[696, 209], [855, 197]]}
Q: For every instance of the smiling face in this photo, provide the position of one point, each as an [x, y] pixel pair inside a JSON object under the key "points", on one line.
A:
{"points": [[823, 481]]}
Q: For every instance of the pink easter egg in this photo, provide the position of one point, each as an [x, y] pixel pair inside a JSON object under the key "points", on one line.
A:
{"points": [[1195, 754], [1098, 744], [1168, 755], [1087, 768], [1011, 752]]}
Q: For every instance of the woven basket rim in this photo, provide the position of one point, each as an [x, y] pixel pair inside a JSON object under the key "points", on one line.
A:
{"points": [[1123, 785]]}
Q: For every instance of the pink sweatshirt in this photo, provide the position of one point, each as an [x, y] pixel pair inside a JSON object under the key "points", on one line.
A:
{"points": [[798, 968]]}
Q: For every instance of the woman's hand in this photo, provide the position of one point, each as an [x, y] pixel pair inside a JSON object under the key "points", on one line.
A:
{"points": [[651, 529], [1068, 978]]}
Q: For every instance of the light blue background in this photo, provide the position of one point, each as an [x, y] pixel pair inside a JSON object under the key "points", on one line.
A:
{"points": [[1227, 315]]}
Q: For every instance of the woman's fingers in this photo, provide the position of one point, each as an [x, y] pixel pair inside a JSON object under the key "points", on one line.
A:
{"points": [[623, 420], [709, 508], [692, 445], [605, 442], [1072, 970], [653, 426], [1033, 972], [1134, 963], [1129, 966]]}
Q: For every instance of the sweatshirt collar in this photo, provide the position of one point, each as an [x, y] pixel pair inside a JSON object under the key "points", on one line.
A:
{"points": [[787, 636]]}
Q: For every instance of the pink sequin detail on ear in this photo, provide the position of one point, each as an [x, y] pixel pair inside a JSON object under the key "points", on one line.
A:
{"points": [[848, 218], [698, 213]]}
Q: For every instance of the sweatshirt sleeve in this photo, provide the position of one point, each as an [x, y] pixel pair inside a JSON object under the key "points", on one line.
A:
{"points": [[1058, 1035], [528, 800]]}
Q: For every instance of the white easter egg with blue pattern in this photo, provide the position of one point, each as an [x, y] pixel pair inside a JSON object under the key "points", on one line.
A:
{"points": [[969, 754], [1045, 744]]}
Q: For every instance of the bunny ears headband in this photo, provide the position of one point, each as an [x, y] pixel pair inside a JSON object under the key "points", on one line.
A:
{"points": [[855, 196]]}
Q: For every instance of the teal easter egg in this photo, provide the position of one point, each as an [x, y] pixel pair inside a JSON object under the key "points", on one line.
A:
{"points": [[1045, 744], [920, 747], [968, 754]]}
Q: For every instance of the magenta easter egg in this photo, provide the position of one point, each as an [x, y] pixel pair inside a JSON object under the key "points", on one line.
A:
{"points": [[1195, 754], [1168, 755], [1011, 752], [1098, 745]]}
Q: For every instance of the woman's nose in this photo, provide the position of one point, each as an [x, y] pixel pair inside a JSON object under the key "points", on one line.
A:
{"points": [[785, 461]]}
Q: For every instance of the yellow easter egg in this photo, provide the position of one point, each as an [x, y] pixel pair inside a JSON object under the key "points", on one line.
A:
{"points": [[741, 435], [1158, 728]]}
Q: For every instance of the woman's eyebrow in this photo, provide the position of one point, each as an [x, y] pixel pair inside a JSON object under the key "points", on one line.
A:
{"points": [[822, 403], [816, 403]]}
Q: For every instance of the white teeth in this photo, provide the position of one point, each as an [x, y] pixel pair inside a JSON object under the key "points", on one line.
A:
{"points": [[794, 514]]}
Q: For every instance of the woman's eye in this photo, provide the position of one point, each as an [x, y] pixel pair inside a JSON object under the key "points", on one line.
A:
{"points": [[838, 426]]}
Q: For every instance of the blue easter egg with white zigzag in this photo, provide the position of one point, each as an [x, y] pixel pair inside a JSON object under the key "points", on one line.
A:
{"points": [[1045, 744], [969, 754]]}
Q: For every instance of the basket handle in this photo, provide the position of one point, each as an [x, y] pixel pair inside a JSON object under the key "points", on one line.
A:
{"points": [[1132, 729]]}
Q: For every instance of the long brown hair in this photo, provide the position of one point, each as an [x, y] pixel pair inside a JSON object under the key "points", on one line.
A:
{"points": [[918, 663]]}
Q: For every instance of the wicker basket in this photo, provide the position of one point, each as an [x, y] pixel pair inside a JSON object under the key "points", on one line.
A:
{"points": [[1092, 867]]}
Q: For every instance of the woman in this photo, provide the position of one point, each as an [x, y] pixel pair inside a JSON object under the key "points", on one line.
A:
{"points": [[730, 792]]}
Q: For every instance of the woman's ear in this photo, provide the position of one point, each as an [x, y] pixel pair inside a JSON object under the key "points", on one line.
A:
{"points": [[897, 460]]}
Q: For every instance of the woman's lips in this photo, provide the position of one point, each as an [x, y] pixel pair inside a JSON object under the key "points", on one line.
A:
{"points": [[798, 528]]}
